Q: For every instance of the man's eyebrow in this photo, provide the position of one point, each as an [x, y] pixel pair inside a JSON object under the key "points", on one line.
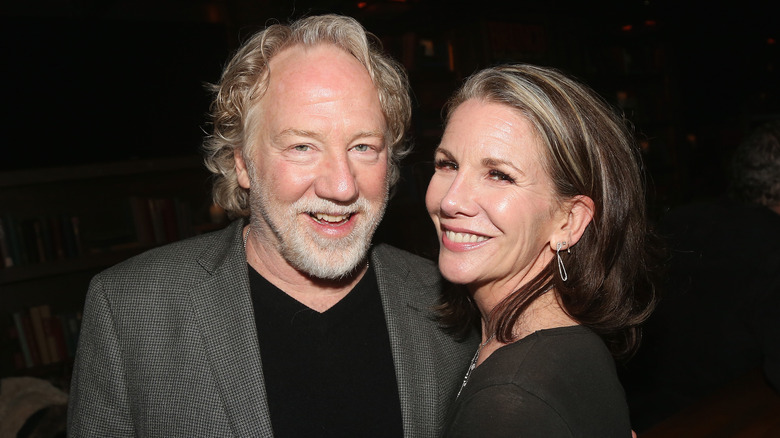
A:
{"points": [[297, 133], [372, 136], [315, 135], [378, 134]]}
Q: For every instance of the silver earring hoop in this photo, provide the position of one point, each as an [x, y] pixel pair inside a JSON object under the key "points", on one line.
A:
{"points": [[561, 268]]}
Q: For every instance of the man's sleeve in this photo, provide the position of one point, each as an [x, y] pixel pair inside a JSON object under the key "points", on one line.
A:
{"points": [[98, 404]]}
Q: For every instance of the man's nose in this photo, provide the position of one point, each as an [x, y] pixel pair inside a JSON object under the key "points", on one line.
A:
{"points": [[336, 180]]}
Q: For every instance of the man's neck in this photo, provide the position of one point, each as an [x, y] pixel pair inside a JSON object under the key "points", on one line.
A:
{"points": [[316, 293]]}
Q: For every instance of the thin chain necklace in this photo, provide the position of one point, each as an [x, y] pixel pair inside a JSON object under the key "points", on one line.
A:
{"points": [[474, 363]]}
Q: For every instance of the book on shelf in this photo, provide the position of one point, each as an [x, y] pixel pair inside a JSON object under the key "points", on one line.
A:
{"points": [[161, 220], [57, 242], [42, 338], [138, 222], [11, 236], [21, 338], [39, 240], [17, 358], [6, 260], [142, 219]]}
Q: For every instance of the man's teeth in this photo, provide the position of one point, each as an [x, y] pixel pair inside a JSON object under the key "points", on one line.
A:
{"points": [[322, 217], [464, 237]]}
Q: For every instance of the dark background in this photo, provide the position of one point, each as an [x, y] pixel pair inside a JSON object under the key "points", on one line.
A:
{"points": [[88, 81]]}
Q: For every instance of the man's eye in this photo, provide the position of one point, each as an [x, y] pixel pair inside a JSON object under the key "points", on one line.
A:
{"points": [[362, 148], [302, 147]]}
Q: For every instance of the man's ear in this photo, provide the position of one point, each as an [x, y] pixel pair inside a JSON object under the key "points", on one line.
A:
{"points": [[578, 212], [242, 173]]}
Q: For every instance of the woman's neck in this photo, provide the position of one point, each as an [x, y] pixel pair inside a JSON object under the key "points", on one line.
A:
{"points": [[543, 313]]}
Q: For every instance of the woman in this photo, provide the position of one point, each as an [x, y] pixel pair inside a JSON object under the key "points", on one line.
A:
{"points": [[538, 202]]}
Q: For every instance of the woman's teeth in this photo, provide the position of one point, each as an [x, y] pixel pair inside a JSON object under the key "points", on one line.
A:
{"points": [[464, 237]]}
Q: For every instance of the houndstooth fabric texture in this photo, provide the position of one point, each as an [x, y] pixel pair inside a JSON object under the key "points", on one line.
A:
{"points": [[168, 346]]}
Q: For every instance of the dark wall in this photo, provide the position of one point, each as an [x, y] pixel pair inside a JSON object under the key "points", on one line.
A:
{"points": [[81, 91]]}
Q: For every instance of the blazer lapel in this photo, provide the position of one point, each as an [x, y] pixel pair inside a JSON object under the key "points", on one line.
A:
{"points": [[408, 324], [223, 308]]}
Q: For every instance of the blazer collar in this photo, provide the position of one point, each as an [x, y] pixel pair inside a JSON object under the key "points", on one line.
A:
{"points": [[223, 308], [409, 319]]}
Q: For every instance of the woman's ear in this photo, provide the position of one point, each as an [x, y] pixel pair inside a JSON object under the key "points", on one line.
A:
{"points": [[579, 212], [242, 173]]}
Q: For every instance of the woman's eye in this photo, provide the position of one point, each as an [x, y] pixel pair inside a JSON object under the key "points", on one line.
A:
{"points": [[501, 176], [445, 164], [362, 148]]}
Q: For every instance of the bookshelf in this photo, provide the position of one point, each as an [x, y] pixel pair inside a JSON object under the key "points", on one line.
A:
{"points": [[61, 226]]}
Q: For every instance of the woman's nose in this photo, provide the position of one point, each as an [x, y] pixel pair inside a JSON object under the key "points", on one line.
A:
{"points": [[459, 198]]}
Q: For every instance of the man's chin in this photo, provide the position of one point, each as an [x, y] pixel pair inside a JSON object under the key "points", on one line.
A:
{"points": [[333, 264], [330, 272]]}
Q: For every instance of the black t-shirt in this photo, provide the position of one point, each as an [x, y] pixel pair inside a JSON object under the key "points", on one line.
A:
{"points": [[553, 383], [327, 374]]}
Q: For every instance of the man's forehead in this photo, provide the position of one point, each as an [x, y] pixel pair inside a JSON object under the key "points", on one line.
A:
{"points": [[309, 85], [321, 62]]}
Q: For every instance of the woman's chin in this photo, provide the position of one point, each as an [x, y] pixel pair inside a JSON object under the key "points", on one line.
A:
{"points": [[457, 276]]}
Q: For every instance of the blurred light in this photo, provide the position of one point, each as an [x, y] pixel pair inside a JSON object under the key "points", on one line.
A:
{"points": [[650, 23], [214, 13], [362, 5], [627, 28], [427, 47], [217, 214], [771, 41]]}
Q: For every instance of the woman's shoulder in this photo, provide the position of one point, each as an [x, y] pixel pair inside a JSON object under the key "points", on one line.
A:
{"points": [[567, 369], [552, 356]]}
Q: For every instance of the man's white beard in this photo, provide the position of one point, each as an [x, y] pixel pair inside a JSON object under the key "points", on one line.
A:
{"points": [[303, 248]]}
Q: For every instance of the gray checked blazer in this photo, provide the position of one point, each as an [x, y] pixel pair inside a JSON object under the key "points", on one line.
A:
{"points": [[168, 345]]}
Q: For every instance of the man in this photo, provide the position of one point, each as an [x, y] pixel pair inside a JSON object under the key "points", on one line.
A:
{"points": [[720, 316], [288, 323]]}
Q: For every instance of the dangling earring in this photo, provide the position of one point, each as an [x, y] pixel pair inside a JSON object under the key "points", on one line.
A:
{"points": [[561, 268]]}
